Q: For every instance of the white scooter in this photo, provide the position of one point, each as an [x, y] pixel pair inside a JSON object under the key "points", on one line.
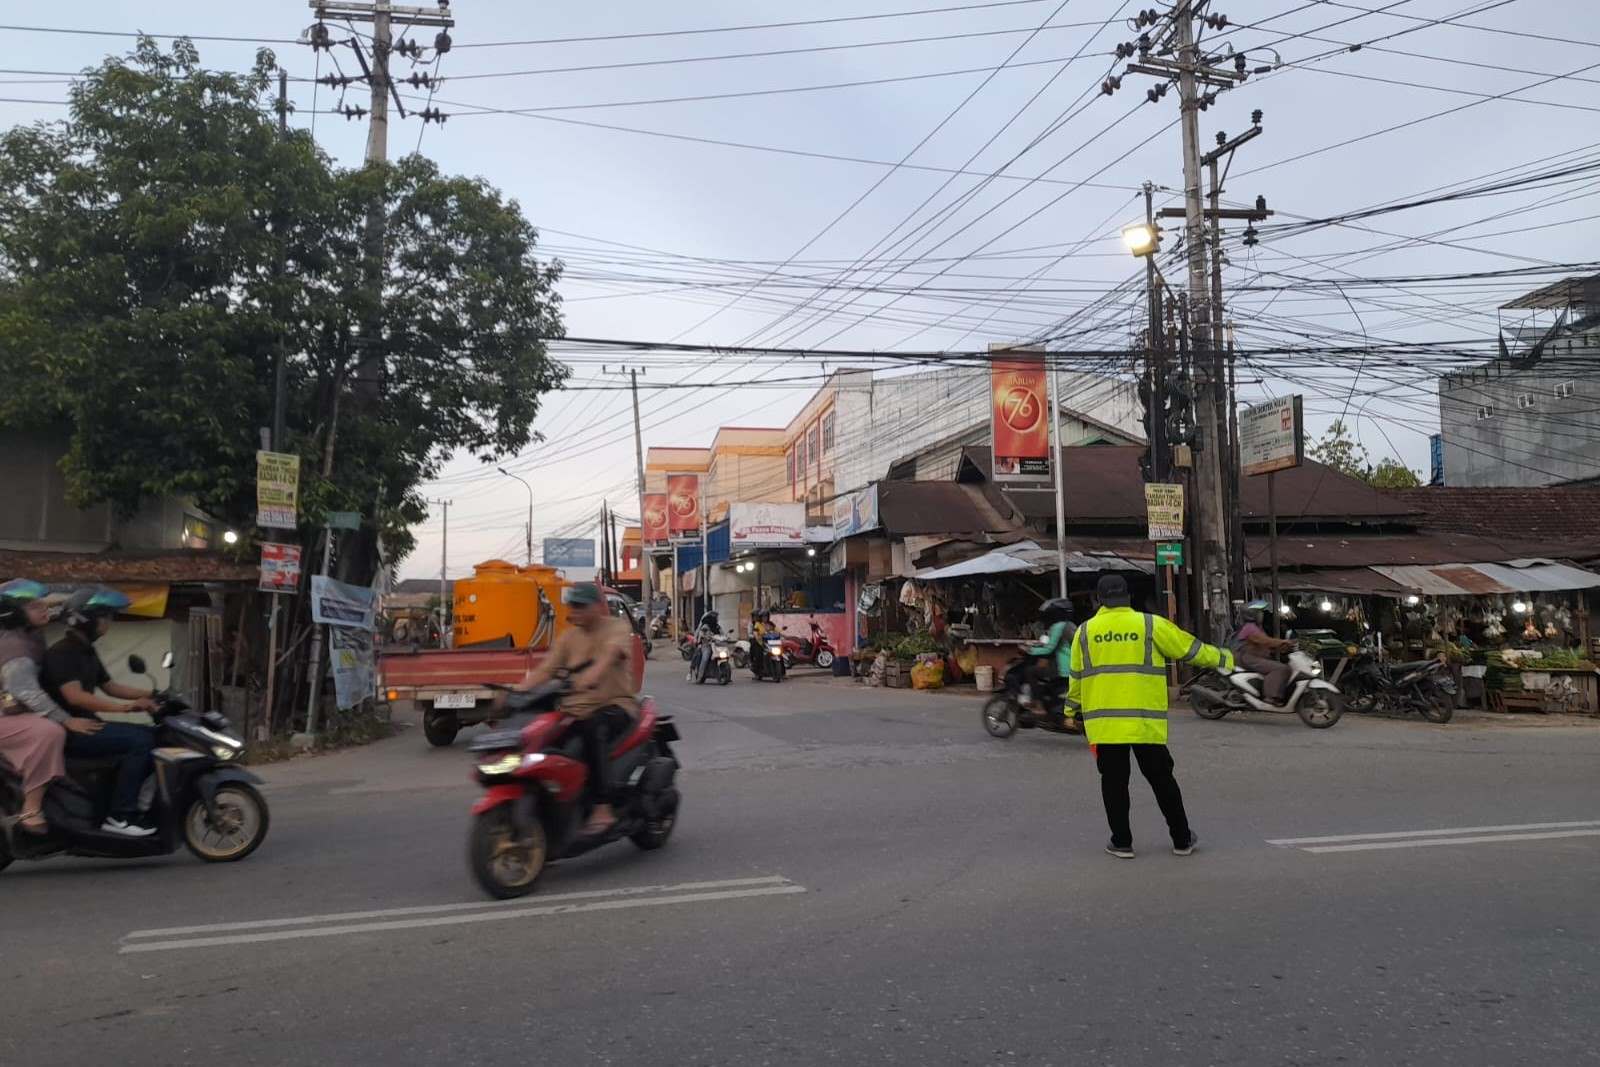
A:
{"points": [[1317, 701]]}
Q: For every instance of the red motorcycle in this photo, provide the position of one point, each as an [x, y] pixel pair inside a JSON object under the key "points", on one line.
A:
{"points": [[816, 649], [535, 803]]}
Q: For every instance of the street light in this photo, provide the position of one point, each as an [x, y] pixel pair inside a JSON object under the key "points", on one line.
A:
{"points": [[529, 488], [1142, 238], [230, 537]]}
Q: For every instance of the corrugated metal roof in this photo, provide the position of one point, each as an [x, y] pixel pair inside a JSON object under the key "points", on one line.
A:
{"points": [[1030, 557], [1540, 577], [908, 507], [1481, 579], [1424, 580]]}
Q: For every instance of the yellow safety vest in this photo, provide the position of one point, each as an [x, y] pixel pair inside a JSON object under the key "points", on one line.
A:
{"points": [[1119, 674]]}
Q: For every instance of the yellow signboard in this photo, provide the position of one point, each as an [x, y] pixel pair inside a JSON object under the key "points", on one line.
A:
{"points": [[1164, 511], [277, 490]]}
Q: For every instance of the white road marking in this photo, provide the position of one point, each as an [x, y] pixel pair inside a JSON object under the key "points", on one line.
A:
{"points": [[1394, 835], [479, 905], [1426, 842], [500, 915]]}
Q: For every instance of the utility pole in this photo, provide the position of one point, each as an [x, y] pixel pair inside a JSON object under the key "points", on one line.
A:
{"points": [[444, 556], [1053, 389], [646, 560], [1209, 504], [605, 547]]}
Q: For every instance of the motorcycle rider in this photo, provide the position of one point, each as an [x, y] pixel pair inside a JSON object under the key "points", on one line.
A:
{"points": [[707, 629], [32, 726], [1052, 664], [602, 699], [1257, 651], [760, 627], [74, 677]]}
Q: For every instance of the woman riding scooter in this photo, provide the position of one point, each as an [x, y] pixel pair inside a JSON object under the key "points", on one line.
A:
{"points": [[1053, 658], [32, 726]]}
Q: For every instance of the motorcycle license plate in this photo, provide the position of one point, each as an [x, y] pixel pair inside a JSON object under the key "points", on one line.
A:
{"points": [[454, 700]]}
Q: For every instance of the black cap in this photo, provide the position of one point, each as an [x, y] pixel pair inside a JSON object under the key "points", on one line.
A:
{"points": [[1112, 591]]}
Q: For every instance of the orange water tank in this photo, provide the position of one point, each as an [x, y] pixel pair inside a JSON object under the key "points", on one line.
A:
{"points": [[502, 599]]}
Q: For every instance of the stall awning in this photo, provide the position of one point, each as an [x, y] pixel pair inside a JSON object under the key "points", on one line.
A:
{"points": [[1478, 579], [1028, 557]]}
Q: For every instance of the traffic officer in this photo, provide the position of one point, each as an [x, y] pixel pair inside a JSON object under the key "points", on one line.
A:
{"points": [[1119, 683]]}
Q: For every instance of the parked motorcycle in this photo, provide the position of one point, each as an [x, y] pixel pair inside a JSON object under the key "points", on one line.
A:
{"points": [[1317, 701], [815, 650], [767, 662], [196, 798], [740, 651], [535, 801], [1027, 703], [1423, 686]]}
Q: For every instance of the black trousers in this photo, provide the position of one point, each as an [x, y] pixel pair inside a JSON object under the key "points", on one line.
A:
{"points": [[597, 731], [1155, 763]]}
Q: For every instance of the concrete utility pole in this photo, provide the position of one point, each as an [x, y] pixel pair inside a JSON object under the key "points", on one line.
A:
{"points": [[1053, 390], [646, 560], [444, 557]]}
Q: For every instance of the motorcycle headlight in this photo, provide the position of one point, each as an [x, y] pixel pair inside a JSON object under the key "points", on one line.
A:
{"points": [[224, 752], [503, 765], [722, 653], [1316, 669]]}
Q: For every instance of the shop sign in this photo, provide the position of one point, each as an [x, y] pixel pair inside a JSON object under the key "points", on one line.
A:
{"points": [[855, 512], [280, 568], [683, 505], [277, 490], [655, 519], [1272, 436], [335, 603], [1018, 409], [767, 525], [569, 551], [1163, 505], [1169, 554]]}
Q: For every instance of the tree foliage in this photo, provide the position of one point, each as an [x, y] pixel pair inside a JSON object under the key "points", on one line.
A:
{"points": [[1341, 451], [164, 243]]}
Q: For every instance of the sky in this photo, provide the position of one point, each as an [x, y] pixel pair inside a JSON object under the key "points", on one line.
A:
{"points": [[908, 207]]}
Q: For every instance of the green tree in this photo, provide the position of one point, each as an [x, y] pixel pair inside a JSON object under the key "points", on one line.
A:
{"points": [[164, 243], [1341, 451]]}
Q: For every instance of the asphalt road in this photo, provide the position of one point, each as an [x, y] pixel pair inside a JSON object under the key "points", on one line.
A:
{"points": [[865, 877]]}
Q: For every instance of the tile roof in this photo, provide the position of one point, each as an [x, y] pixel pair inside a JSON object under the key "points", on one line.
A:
{"points": [[1551, 513], [176, 566]]}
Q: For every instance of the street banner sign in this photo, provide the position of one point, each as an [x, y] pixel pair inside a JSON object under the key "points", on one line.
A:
{"points": [[855, 512], [280, 568], [1019, 427], [335, 603], [277, 490], [569, 552], [1272, 436], [350, 661], [683, 505], [1169, 554], [655, 519], [1163, 505], [767, 525], [344, 520]]}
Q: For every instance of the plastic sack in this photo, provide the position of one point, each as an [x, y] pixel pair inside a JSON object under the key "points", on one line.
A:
{"points": [[928, 676]]}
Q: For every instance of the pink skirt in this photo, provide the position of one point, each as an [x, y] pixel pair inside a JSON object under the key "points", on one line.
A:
{"points": [[32, 745]]}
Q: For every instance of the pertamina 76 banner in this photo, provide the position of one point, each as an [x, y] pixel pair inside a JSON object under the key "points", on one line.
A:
{"points": [[683, 505], [1018, 417], [655, 519]]}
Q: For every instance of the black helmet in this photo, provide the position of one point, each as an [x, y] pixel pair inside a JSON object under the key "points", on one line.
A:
{"points": [[1057, 609], [15, 596]]}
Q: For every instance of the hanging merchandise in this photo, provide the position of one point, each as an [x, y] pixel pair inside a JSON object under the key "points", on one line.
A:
{"points": [[870, 601], [909, 595]]}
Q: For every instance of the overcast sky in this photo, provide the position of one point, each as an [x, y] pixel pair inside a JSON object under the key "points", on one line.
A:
{"points": [[618, 205]]}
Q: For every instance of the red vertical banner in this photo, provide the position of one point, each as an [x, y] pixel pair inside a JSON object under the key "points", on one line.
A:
{"points": [[654, 530], [683, 505], [1019, 418]]}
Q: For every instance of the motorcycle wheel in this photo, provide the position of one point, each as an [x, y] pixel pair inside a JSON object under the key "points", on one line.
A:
{"points": [[725, 675], [740, 660], [1205, 705], [779, 669], [5, 853], [1437, 707], [505, 868], [242, 824], [825, 659], [687, 651], [1362, 701], [1000, 717], [655, 832], [1320, 708]]}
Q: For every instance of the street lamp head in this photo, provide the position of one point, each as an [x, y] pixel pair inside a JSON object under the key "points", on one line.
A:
{"points": [[1141, 238], [230, 537]]}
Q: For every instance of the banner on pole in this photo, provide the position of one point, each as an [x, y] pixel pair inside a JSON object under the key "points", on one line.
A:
{"points": [[683, 505], [1019, 404], [1164, 511], [767, 525], [350, 661], [277, 490], [569, 551], [280, 568], [654, 523], [339, 604]]}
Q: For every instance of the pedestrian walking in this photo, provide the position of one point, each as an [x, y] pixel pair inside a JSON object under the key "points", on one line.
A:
{"points": [[1119, 684]]}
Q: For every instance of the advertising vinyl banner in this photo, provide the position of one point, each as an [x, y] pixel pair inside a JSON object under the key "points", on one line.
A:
{"points": [[683, 505], [654, 523], [767, 525], [1018, 408]]}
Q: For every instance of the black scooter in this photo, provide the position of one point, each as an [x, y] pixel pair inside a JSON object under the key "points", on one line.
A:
{"points": [[196, 797], [766, 658], [1027, 702]]}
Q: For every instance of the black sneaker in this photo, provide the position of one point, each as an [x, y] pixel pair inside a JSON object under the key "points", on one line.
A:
{"points": [[1122, 852], [123, 828], [1187, 850]]}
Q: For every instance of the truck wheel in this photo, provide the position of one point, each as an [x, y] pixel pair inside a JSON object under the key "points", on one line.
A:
{"points": [[440, 728]]}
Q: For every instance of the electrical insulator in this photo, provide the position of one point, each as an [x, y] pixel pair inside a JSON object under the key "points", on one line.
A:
{"points": [[1251, 237], [1144, 43], [442, 43], [1111, 84], [1239, 63], [320, 37], [1261, 203], [1222, 138], [1255, 117]]}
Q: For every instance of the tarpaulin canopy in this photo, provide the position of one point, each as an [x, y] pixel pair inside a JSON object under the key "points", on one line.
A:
{"points": [[1030, 558]]}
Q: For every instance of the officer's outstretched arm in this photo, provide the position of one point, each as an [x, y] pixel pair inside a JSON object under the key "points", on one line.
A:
{"points": [[1175, 643]]}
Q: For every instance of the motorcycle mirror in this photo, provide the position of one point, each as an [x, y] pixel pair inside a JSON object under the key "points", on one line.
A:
{"points": [[166, 660], [136, 664]]}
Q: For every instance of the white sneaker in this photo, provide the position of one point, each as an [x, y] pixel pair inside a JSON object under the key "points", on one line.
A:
{"points": [[123, 828]]}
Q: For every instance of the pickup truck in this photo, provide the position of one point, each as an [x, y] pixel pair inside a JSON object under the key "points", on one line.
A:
{"points": [[450, 685]]}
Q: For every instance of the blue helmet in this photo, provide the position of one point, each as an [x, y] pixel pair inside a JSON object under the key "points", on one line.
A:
{"points": [[87, 605], [15, 596]]}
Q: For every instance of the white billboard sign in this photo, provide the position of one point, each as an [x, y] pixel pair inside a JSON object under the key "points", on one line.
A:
{"points": [[1271, 436], [767, 525]]}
